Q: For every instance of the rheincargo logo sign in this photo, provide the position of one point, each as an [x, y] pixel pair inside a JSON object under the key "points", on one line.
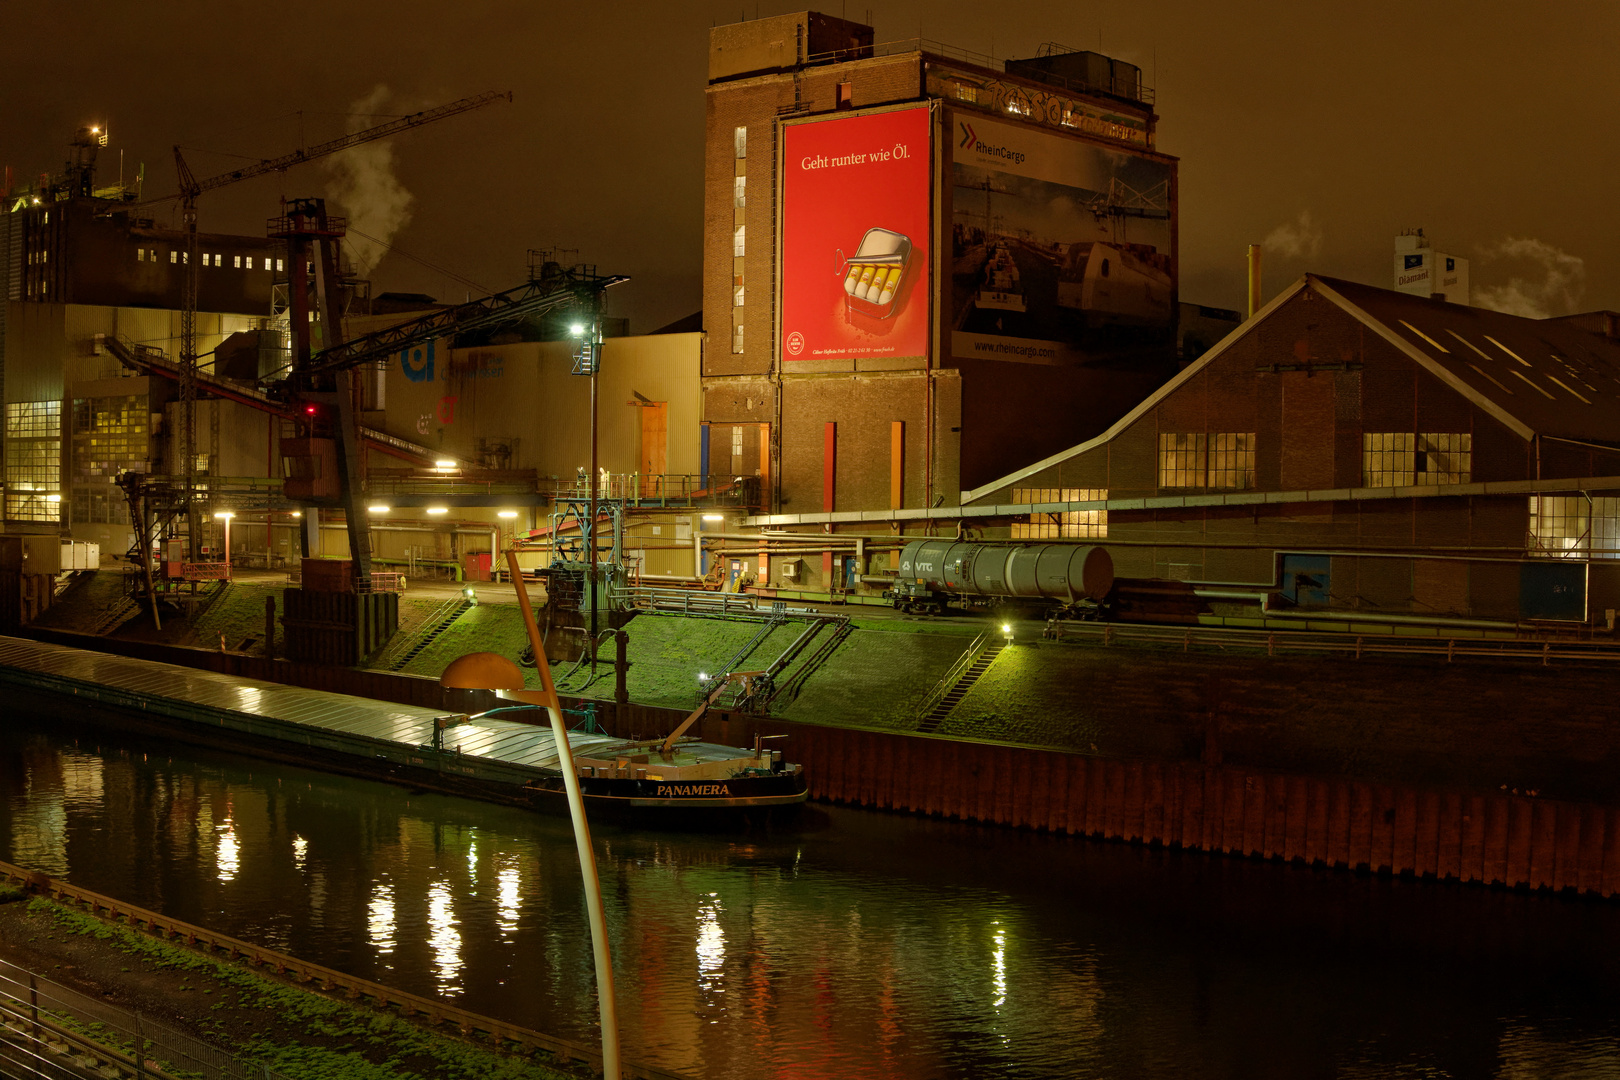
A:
{"points": [[970, 141]]}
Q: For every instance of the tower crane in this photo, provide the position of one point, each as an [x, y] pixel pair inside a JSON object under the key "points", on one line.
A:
{"points": [[191, 189]]}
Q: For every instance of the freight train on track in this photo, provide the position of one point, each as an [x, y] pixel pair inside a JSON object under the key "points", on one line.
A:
{"points": [[1074, 579]]}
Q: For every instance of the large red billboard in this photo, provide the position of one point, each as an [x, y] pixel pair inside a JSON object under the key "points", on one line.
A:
{"points": [[855, 225]]}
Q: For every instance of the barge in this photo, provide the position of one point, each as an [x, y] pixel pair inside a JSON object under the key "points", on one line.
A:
{"points": [[677, 782]]}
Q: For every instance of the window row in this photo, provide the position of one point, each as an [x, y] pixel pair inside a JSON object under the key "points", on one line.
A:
{"points": [[1224, 460], [109, 436], [739, 239], [1575, 526], [100, 506], [33, 464], [211, 258], [33, 419], [1070, 524], [33, 506], [1402, 459]]}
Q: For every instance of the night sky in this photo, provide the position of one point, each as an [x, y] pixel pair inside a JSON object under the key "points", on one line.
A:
{"points": [[1319, 131]]}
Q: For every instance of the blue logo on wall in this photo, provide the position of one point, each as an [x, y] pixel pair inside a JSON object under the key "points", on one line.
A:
{"points": [[417, 363], [1413, 261]]}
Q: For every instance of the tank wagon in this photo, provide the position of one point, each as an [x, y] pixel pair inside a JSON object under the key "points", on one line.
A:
{"points": [[933, 573]]}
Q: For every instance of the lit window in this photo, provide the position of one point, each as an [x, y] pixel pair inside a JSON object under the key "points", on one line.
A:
{"points": [[140, 254], [1231, 460], [1401, 459], [238, 264], [739, 197], [1070, 524], [741, 136], [1223, 460], [33, 460], [278, 264], [739, 241], [1574, 527], [1183, 460], [174, 257]]}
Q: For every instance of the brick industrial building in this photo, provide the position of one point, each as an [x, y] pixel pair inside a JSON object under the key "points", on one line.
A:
{"points": [[1354, 450], [1007, 329]]}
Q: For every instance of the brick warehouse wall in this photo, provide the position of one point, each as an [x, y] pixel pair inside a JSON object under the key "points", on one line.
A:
{"points": [[992, 418], [1308, 428], [758, 103]]}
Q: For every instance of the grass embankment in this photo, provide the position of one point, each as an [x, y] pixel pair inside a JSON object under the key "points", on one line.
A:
{"points": [[295, 1031]]}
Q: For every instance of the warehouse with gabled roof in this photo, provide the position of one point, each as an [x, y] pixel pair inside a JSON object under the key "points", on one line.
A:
{"points": [[1357, 450]]}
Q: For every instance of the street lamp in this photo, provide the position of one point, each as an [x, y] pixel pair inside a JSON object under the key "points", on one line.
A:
{"points": [[225, 516], [490, 671]]}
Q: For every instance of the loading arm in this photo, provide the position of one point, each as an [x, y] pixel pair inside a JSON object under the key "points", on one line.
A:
{"points": [[526, 301], [666, 751]]}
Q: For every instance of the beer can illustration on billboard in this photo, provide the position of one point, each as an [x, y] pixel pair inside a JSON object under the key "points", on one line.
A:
{"points": [[873, 275]]}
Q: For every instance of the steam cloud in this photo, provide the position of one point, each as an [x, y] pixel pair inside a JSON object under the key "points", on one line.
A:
{"points": [[362, 181], [1298, 239], [1553, 283]]}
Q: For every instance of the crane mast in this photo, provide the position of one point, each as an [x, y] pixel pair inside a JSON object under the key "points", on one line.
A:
{"points": [[190, 190]]}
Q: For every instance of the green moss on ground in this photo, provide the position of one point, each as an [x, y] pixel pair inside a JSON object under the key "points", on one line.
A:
{"points": [[876, 679], [86, 601], [295, 1031], [496, 628], [237, 615]]}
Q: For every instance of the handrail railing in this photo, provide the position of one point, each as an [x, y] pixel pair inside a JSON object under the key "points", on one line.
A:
{"points": [[29, 1001], [497, 1032], [1274, 642], [949, 679]]}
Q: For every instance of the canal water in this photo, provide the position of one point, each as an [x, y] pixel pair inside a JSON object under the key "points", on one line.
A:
{"points": [[858, 945]]}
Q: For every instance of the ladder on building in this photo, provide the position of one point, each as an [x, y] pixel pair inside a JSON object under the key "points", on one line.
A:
{"points": [[967, 671], [436, 624]]}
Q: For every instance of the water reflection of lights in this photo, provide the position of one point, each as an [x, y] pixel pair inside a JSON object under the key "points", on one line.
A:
{"points": [[229, 850], [82, 787], [380, 919], [999, 960], [506, 898], [711, 941], [300, 849], [444, 938]]}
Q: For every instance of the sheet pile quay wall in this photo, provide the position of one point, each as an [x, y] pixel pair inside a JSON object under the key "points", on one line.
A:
{"points": [[1492, 838], [1481, 837]]}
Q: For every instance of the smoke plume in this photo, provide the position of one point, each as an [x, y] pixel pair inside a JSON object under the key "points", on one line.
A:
{"points": [[1297, 239], [361, 180], [1549, 281]]}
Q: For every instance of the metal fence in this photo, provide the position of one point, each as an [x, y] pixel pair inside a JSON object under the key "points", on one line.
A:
{"points": [[1275, 643], [431, 1012], [44, 1020]]}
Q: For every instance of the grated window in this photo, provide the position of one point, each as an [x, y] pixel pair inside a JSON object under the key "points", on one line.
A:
{"points": [[1063, 524]]}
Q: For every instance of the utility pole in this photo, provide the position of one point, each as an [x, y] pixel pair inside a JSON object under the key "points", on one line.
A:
{"points": [[593, 343]]}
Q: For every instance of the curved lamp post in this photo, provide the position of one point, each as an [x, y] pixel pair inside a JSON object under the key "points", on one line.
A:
{"points": [[491, 671]]}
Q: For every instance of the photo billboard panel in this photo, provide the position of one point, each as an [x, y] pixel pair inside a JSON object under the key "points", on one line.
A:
{"points": [[1062, 250], [855, 236]]}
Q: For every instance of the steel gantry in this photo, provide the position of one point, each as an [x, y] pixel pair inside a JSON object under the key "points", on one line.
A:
{"points": [[191, 189]]}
